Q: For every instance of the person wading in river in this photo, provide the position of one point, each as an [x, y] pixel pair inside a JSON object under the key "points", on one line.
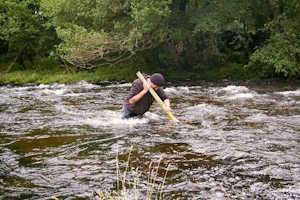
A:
{"points": [[139, 98]]}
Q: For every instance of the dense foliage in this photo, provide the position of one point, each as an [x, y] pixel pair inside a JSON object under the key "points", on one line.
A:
{"points": [[25, 32], [194, 35]]}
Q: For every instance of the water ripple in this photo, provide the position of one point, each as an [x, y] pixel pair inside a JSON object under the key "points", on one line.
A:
{"points": [[233, 142]]}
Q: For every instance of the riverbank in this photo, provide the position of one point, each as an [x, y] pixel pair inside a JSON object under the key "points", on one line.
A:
{"points": [[49, 71]]}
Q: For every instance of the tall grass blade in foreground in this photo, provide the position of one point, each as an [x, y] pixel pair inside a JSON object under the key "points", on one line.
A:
{"points": [[124, 193]]}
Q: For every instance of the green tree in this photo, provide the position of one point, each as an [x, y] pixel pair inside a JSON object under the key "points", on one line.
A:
{"points": [[198, 31], [172, 33], [282, 50], [100, 32], [25, 30]]}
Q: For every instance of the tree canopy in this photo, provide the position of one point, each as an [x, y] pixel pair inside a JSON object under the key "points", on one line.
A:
{"points": [[107, 32], [25, 31], [175, 33]]}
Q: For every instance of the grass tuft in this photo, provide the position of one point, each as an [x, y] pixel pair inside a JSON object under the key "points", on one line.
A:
{"points": [[154, 189]]}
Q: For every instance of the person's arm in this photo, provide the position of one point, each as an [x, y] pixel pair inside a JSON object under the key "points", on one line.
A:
{"points": [[138, 96]]}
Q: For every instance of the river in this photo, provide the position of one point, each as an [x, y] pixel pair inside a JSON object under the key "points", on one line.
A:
{"points": [[234, 141]]}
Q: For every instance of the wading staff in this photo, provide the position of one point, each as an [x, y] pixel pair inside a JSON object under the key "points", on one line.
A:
{"points": [[157, 98]]}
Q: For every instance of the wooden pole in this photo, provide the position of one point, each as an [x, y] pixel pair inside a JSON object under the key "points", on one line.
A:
{"points": [[157, 98]]}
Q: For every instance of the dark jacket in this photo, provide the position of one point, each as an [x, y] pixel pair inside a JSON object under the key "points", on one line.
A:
{"points": [[145, 102]]}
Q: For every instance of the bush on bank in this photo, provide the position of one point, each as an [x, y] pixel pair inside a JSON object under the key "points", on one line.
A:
{"points": [[48, 71]]}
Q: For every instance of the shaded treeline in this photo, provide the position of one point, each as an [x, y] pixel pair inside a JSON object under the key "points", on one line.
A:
{"points": [[195, 35]]}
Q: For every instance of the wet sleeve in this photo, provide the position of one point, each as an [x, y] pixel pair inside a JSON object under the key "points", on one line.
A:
{"points": [[162, 94], [135, 89]]}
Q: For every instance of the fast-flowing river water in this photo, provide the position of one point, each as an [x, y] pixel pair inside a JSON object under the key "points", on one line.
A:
{"points": [[234, 141]]}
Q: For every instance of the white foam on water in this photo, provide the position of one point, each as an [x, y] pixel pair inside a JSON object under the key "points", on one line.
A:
{"points": [[289, 93], [64, 109], [112, 118], [290, 121], [232, 89], [75, 94], [241, 96], [257, 118], [236, 93], [206, 109], [295, 119], [85, 84], [20, 89], [273, 122], [196, 87], [57, 86], [54, 91], [183, 88], [205, 113], [119, 85], [170, 90], [177, 90], [42, 86], [152, 116]]}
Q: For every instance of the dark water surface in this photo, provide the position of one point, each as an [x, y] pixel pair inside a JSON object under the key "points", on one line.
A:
{"points": [[233, 142]]}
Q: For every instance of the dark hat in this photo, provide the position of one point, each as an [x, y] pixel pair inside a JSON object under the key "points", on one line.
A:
{"points": [[157, 79]]}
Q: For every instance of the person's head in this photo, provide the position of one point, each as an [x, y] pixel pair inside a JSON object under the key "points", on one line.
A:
{"points": [[157, 80]]}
